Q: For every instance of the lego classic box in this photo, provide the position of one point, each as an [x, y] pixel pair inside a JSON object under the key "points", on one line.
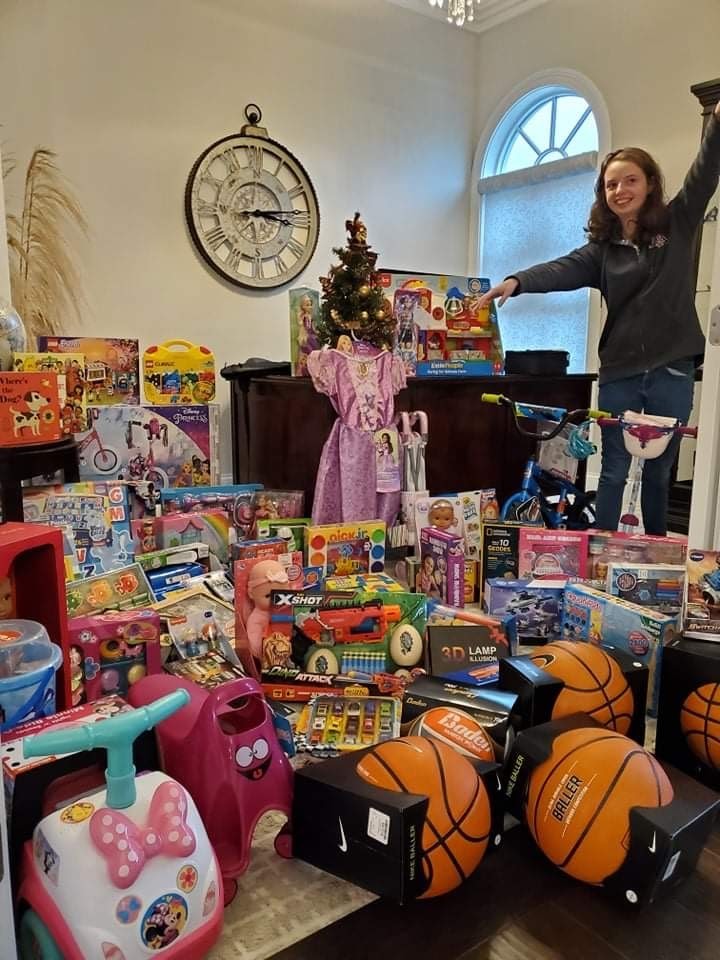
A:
{"points": [[29, 409], [688, 726], [566, 785], [375, 837]]}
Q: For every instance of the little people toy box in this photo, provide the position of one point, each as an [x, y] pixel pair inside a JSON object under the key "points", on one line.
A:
{"points": [[178, 371], [29, 409]]}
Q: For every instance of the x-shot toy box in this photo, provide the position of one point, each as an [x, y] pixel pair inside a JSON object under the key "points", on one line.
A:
{"points": [[597, 617], [440, 329]]}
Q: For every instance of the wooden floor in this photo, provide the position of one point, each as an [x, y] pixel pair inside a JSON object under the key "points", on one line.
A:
{"points": [[518, 907]]}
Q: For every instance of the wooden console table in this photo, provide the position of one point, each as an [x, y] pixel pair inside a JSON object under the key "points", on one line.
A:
{"points": [[280, 423]]}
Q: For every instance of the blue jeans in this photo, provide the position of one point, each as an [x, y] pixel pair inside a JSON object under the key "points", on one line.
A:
{"points": [[665, 392]]}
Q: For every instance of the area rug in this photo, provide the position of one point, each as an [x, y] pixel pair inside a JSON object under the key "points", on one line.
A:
{"points": [[279, 902]]}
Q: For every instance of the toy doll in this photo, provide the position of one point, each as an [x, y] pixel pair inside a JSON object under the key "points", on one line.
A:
{"points": [[361, 386], [441, 515], [7, 599], [264, 577]]}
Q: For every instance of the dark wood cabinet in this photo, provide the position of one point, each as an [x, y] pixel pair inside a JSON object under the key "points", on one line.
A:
{"points": [[280, 424]]}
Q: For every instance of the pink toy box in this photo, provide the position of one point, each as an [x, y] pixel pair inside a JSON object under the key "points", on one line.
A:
{"points": [[442, 566], [109, 652], [551, 554], [223, 749], [179, 529]]}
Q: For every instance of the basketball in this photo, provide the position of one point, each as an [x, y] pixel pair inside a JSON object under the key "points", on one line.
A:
{"points": [[700, 722], [457, 729], [594, 683], [579, 800], [457, 825]]}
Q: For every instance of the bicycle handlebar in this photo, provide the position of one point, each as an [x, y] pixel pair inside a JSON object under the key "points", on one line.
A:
{"points": [[605, 421], [534, 411]]}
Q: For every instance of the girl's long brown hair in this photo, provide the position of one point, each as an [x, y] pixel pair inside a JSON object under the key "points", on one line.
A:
{"points": [[653, 219]]}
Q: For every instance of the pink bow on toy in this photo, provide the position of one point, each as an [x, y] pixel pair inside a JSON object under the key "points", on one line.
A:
{"points": [[126, 846]]}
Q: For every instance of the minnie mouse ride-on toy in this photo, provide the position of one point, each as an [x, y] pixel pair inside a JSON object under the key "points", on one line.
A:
{"points": [[223, 748], [125, 872]]}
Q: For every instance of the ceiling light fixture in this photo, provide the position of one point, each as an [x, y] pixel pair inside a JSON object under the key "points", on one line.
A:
{"points": [[459, 12]]}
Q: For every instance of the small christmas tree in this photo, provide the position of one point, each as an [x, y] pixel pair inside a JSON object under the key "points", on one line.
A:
{"points": [[353, 300]]}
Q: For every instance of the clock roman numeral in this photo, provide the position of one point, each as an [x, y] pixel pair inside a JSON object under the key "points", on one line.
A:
{"points": [[207, 177], [205, 208], [295, 248], [301, 218], [297, 191], [279, 265], [255, 160], [214, 238], [257, 268], [280, 165], [231, 161], [233, 259]]}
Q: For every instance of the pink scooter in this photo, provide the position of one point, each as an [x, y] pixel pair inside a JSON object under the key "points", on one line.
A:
{"points": [[223, 748]]}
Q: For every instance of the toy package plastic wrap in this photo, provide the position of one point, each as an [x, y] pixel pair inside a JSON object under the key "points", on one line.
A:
{"points": [[236, 499], [168, 446], [112, 367], [72, 388], [178, 371], [124, 589], [95, 516], [199, 623], [441, 331], [341, 723], [29, 409]]}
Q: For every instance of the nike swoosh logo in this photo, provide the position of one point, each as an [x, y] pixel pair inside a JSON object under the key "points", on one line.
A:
{"points": [[653, 845], [343, 842]]}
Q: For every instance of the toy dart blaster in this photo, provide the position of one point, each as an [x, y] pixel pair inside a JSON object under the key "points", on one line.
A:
{"points": [[364, 624]]}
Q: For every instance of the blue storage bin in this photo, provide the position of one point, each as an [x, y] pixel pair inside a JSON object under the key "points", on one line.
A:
{"points": [[28, 663]]}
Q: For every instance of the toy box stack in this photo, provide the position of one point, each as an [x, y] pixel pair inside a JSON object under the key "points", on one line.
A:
{"points": [[441, 331]]}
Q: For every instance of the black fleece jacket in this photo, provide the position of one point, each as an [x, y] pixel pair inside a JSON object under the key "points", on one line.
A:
{"points": [[649, 291]]}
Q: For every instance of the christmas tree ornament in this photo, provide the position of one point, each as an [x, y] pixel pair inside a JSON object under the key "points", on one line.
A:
{"points": [[379, 314], [364, 316], [364, 290]]}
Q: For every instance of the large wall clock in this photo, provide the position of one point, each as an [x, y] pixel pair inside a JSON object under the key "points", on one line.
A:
{"points": [[251, 208]]}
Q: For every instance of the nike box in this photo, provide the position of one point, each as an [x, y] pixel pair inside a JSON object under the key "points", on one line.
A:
{"points": [[366, 835], [662, 843]]}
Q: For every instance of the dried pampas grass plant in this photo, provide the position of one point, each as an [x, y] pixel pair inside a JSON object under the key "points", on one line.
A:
{"points": [[44, 280]]}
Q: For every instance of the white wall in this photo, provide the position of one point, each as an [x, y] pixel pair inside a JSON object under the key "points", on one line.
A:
{"points": [[376, 102]]}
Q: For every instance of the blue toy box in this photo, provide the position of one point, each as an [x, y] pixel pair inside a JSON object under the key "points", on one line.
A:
{"points": [[654, 585], [597, 617], [537, 606]]}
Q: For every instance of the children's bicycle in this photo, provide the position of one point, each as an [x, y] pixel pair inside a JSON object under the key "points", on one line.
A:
{"points": [[546, 497], [646, 437]]}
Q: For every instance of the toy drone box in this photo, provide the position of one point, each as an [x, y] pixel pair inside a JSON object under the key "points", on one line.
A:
{"points": [[440, 329], [112, 367], [688, 726], [27, 779], [29, 409], [542, 697], [646, 854], [536, 605], [592, 615], [172, 446], [493, 708], [368, 835], [702, 600]]}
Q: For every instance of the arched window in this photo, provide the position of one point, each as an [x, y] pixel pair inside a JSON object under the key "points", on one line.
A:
{"points": [[536, 188]]}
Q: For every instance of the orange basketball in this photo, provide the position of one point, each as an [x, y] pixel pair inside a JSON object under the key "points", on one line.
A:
{"points": [[700, 722], [579, 800], [594, 683], [457, 824], [457, 729]]}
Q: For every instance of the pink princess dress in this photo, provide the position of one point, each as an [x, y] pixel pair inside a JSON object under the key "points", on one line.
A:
{"points": [[361, 386]]}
